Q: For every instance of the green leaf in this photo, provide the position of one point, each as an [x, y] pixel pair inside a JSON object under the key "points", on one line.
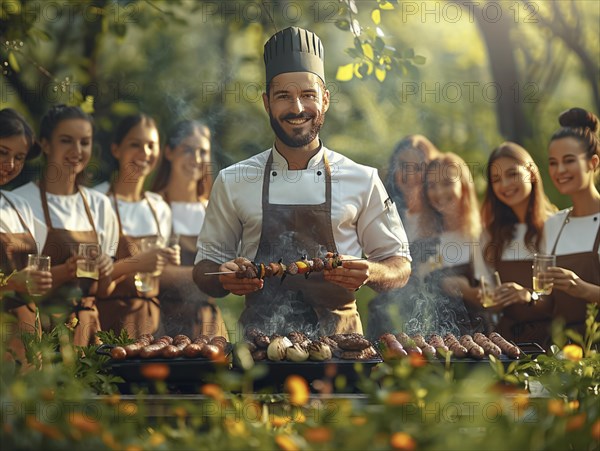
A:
{"points": [[343, 24], [12, 61], [418, 59]]}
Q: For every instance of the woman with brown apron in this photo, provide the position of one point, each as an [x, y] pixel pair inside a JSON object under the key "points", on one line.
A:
{"points": [[184, 180], [450, 208], [72, 215], [514, 211], [392, 311], [17, 237], [573, 235], [142, 218]]}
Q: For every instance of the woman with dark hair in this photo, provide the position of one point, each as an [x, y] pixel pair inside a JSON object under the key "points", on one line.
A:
{"points": [[71, 215], [142, 217], [184, 180], [390, 311], [513, 213], [18, 234], [573, 235]]}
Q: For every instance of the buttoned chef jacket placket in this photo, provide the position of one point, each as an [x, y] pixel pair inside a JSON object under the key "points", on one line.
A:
{"points": [[287, 232]]}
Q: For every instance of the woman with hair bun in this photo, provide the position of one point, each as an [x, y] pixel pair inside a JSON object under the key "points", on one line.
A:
{"points": [[573, 234], [71, 215], [184, 180], [514, 211]]}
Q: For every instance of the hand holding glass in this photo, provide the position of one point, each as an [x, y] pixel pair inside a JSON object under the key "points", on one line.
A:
{"points": [[541, 263], [87, 267], [38, 263], [146, 282]]}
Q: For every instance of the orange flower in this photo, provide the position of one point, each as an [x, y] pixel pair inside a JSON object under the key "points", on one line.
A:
{"points": [[134, 448], [278, 421], [109, 440], [358, 421], [573, 353], [157, 439], [417, 360], [318, 435], [235, 427], [127, 409], [212, 391], [398, 398], [576, 422], [286, 443], [297, 387], [84, 424], [521, 402], [180, 412], [48, 431], [556, 407], [155, 371], [112, 400], [402, 441], [596, 430], [573, 405]]}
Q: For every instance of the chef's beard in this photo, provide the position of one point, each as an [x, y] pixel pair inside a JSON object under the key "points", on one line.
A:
{"points": [[298, 139]]}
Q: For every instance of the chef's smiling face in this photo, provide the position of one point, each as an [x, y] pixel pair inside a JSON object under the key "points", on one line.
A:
{"points": [[70, 146], [138, 152], [570, 169], [511, 181], [296, 103], [13, 151], [444, 188]]}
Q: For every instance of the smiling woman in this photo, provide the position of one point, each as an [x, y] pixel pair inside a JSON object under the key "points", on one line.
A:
{"points": [[70, 215], [144, 224]]}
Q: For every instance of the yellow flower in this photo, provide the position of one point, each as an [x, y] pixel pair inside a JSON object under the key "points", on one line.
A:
{"points": [[134, 448], [573, 353], [278, 421], [112, 400], [286, 443], [556, 407], [127, 409], [156, 439], [521, 402], [358, 421], [235, 427], [109, 440], [402, 441], [320, 434], [297, 387], [180, 412]]}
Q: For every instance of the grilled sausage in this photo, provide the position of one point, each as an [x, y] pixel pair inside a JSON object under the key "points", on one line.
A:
{"points": [[507, 348], [392, 347], [438, 343], [171, 351], [193, 350], [211, 352], [474, 349], [427, 349], [453, 345], [408, 344], [488, 346], [153, 350], [118, 353], [259, 354], [351, 342], [365, 354]]}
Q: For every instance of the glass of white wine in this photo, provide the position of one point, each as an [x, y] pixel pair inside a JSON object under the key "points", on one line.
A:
{"points": [[487, 292], [87, 267], [541, 263]]}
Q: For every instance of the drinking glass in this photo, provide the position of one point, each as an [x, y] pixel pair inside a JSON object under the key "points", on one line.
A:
{"points": [[39, 263], [145, 282], [487, 292], [88, 266], [541, 263]]}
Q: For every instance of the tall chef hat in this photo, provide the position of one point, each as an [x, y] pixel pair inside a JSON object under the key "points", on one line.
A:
{"points": [[294, 50]]}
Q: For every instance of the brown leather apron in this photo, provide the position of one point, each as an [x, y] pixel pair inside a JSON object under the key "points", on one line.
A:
{"points": [[311, 305], [524, 323], [14, 248], [186, 309], [78, 295], [125, 308], [587, 266]]}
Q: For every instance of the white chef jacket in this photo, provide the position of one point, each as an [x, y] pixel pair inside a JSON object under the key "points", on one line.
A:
{"points": [[363, 219], [136, 217], [9, 220], [68, 212], [577, 236]]}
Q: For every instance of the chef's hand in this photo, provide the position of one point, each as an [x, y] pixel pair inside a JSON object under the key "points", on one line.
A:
{"points": [[510, 293], [237, 286], [351, 275]]}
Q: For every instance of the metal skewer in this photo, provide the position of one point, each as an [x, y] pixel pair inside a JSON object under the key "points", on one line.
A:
{"points": [[218, 273]]}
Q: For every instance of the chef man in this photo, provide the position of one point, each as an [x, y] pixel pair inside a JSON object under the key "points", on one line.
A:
{"points": [[300, 198]]}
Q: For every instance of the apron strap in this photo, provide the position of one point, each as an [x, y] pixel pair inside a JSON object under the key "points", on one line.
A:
{"points": [[561, 230], [152, 210]]}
